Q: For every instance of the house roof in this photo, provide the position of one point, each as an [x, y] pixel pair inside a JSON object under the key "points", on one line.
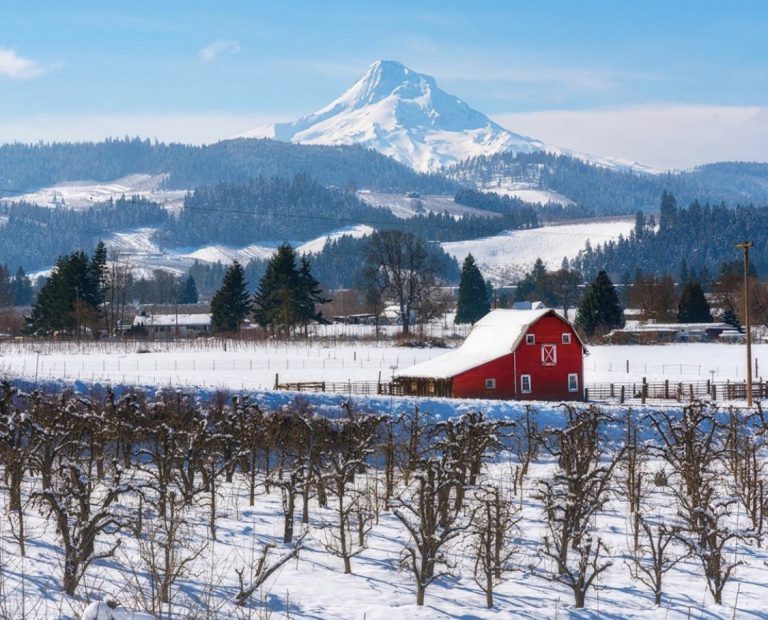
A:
{"points": [[497, 334], [184, 320]]}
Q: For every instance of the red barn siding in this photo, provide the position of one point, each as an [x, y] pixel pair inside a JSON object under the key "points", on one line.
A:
{"points": [[547, 382]]}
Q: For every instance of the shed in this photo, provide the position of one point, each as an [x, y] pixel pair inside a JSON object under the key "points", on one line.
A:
{"points": [[509, 354]]}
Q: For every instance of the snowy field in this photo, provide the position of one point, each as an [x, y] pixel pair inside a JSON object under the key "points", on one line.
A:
{"points": [[406, 207], [506, 257], [254, 365]]}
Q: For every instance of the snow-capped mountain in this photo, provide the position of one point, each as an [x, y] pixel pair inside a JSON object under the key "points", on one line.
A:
{"points": [[408, 117], [405, 115]]}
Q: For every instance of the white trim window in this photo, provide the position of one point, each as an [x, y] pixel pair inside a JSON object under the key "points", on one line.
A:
{"points": [[573, 382], [549, 355], [530, 339], [490, 384], [525, 384], [566, 338]]}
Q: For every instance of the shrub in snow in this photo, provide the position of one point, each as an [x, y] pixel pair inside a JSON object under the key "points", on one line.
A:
{"points": [[110, 610]]}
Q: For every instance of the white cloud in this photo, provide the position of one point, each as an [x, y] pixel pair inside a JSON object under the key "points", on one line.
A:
{"points": [[217, 49], [668, 136], [14, 66], [189, 128]]}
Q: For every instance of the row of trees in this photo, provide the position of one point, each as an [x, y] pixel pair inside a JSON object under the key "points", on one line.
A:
{"points": [[287, 296], [106, 468]]}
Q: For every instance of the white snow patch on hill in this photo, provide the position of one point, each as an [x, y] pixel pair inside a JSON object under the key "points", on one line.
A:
{"points": [[139, 248], [81, 195], [404, 206], [505, 257]]}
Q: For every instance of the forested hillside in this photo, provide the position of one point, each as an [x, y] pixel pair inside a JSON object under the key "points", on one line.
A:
{"points": [[702, 235], [602, 191], [34, 237], [300, 209], [25, 167]]}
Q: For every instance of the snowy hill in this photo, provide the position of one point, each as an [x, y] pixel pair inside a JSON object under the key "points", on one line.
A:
{"points": [[407, 116]]}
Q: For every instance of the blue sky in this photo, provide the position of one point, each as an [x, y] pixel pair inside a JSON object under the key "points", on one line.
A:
{"points": [[586, 75]]}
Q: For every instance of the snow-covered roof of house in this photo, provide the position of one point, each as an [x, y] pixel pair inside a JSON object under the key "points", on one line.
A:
{"points": [[497, 334], [162, 320]]}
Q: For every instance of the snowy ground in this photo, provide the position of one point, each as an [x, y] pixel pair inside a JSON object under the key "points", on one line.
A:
{"points": [[506, 257], [253, 365], [315, 587]]}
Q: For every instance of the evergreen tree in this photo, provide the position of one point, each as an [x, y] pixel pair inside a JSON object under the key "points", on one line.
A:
{"points": [[288, 295], [473, 303], [189, 293], [231, 304], [276, 302], [310, 295], [65, 302], [22, 289], [693, 306], [729, 317], [600, 310], [6, 287], [668, 211]]}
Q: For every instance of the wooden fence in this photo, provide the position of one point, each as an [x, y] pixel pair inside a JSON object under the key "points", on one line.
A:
{"points": [[637, 392]]}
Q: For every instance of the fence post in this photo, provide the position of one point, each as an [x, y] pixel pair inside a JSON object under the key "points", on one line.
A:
{"points": [[586, 394], [276, 380], [644, 391], [690, 391], [612, 394], [622, 394], [666, 389], [714, 391]]}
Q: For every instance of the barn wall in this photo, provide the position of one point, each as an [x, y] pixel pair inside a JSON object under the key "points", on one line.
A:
{"points": [[551, 382], [471, 384], [547, 382]]}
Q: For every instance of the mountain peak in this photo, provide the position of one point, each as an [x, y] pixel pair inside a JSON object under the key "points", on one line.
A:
{"points": [[403, 114]]}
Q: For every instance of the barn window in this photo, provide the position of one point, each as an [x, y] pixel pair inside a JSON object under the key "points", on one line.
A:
{"points": [[490, 384], [549, 355], [530, 339], [525, 384], [566, 338], [573, 382]]}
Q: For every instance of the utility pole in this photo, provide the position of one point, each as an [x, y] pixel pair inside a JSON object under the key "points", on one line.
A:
{"points": [[745, 246]]}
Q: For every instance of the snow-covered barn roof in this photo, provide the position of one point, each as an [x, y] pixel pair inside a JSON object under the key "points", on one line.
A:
{"points": [[497, 334]]}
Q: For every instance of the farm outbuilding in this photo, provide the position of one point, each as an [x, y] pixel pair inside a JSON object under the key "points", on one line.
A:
{"points": [[509, 354]]}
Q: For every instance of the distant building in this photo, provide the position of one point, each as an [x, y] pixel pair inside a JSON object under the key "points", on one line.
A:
{"points": [[174, 325], [674, 332], [509, 354]]}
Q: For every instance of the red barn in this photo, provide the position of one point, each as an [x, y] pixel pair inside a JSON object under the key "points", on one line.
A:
{"points": [[509, 354]]}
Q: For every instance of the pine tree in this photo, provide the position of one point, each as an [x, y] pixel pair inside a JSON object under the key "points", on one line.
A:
{"points": [[66, 301], [231, 304], [189, 293], [6, 287], [22, 289], [693, 306], [473, 303], [288, 295], [668, 211], [310, 295], [600, 310], [276, 303]]}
